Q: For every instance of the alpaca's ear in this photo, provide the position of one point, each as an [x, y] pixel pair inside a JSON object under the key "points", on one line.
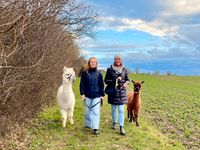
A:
{"points": [[142, 82], [64, 69], [133, 81]]}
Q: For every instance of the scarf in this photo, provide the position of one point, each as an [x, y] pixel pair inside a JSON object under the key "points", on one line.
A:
{"points": [[118, 70]]}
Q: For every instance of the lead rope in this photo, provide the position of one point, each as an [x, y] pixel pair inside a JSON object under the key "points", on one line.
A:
{"points": [[101, 101]]}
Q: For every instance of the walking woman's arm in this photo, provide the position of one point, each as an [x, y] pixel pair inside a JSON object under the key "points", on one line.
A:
{"points": [[82, 84], [101, 85], [108, 78], [126, 77]]}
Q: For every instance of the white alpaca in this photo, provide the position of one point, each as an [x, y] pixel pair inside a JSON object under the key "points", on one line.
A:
{"points": [[65, 96]]}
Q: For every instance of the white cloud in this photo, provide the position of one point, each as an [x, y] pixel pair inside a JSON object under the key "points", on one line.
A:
{"points": [[181, 7], [155, 28], [85, 42], [85, 52]]}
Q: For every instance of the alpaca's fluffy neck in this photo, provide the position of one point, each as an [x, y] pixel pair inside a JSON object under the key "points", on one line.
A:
{"points": [[67, 86], [136, 96], [136, 99]]}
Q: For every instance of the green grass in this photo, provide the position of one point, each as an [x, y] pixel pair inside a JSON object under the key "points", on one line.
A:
{"points": [[169, 117], [173, 104]]}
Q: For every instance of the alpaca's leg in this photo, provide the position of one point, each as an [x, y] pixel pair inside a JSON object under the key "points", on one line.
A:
{"points": [[136, 117], [64, 117], [128, 115], [131, 115], [133, 118], [70, 115]]}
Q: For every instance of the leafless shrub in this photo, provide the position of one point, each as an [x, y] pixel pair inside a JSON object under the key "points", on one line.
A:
{"points": [[36, 41]]}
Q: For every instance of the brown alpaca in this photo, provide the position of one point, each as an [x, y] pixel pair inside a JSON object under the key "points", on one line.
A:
{"points": [[134, 102]]}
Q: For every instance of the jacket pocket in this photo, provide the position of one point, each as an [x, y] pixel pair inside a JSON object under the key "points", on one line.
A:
{"points": [[110, 90]]}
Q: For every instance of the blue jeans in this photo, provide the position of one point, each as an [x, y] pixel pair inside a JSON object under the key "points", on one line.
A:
{"points": [[92, 115], [120, 114]]}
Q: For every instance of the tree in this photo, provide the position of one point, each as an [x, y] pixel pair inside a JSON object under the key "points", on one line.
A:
{"points": [[36, 41]]}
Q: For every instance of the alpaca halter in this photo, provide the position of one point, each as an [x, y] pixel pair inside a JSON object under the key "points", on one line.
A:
{"points": [[69, 76]]}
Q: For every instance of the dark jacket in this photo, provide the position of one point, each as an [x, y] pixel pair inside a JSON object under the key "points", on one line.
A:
{"points": [[117, 95], [91, 84]]}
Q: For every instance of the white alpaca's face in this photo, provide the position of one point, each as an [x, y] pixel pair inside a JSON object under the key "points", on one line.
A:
{"points": [[68, 75]]}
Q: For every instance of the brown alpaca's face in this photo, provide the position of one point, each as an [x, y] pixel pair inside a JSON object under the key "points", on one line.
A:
{"points": [[137, 86]]}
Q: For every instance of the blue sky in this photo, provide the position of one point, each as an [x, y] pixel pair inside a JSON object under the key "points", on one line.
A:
{"points": [[151, 35]]}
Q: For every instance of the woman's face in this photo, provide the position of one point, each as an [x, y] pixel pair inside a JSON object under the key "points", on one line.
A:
{"points": [[118, 62], [93, 63]]}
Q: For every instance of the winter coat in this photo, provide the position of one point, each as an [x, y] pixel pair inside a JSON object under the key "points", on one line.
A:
{"points": [[91, 84], [116, 94]]}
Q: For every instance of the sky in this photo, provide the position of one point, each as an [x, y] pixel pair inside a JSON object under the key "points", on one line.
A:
{"points": [[151, 35]]}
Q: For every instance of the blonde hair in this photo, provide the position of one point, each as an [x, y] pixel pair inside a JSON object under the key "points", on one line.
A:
{"points": [[88, 63]]}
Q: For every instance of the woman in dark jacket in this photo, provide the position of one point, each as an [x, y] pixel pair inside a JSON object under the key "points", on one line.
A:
{"points": [[117, 80], [92, 91]]}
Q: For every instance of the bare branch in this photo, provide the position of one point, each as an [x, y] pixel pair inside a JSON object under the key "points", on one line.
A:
{"points": [[28, 67], [36, 41], [8, 26]]}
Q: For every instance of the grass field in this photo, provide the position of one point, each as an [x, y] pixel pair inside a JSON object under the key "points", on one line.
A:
{"points": [[169, 119], [173, 104]]}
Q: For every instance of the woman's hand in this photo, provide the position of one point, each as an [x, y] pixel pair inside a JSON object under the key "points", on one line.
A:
{"points": [[102, 98], [119, 78], [82, 97], [125, 85]]}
